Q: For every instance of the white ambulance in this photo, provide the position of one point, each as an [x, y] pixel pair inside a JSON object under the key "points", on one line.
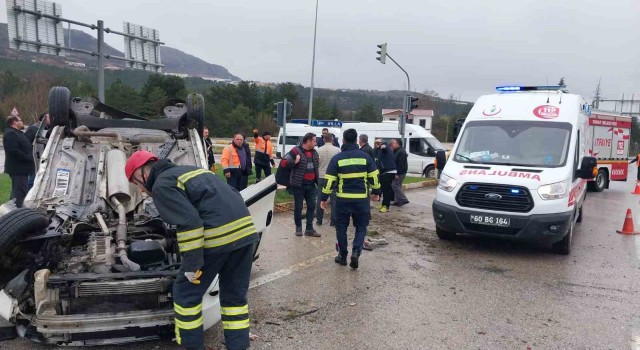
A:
{"points": [[610, 137], [519, 168]]}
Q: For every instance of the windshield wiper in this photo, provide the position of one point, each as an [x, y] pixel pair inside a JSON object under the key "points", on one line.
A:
{"points": [[467, 158]]}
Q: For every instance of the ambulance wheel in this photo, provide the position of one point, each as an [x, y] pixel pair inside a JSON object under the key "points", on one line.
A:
{"points": [[445, 235], [563, 247], [599, 183]]}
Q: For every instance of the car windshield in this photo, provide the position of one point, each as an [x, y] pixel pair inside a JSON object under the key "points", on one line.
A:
{"points": [[435, 143], [523, 143]]}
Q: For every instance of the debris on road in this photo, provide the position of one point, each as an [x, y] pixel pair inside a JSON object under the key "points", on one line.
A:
{"points": [[295, 314]]}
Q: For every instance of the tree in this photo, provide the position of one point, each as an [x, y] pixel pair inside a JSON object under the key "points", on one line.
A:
{"points": [[241, 119], [155, 101], [124, 97], [561, 82], [172, 86], [335, 111], [368, 113]]}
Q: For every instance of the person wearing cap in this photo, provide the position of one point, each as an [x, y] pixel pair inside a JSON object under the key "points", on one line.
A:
{"points": [[387, 167], [351, 173], [263, 158], [215, 235]]}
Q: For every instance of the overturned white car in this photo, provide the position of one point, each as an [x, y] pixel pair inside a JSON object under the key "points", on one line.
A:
{"points": [[88, 261]]}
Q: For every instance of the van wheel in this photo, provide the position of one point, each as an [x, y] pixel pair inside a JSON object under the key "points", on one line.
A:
{"points": [[429, 171], [445, 235], [563, 247], [600, 182]]}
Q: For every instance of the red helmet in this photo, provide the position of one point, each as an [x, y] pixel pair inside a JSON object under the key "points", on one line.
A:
{"points": [[138, 159]]}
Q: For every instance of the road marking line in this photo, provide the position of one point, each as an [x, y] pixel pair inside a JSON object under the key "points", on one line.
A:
{"points": [[289, 270]]}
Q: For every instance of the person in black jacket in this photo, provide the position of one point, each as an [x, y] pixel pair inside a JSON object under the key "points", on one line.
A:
{"points": [[400, 157], [208, 148], [320, 140], [387, 167], [363, 142], [352, 174], [18, 162], [215, 234]]}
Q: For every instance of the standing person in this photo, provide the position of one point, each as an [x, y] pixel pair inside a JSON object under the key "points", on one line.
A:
{"points": [[325, 131], [400, 158], [363, 142], [305, 163], [353, 172], [264, 154], [18, 162], [215, 235], [326, 153], [387, 168], [637, 161], [208, 145], [236, 163]]}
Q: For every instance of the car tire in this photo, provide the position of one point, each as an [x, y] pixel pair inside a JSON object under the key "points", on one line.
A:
{"points": [[429, 171], [59, 104], [18, 223], [563, 247], [195, 112], [445, 235], [599, 183]]}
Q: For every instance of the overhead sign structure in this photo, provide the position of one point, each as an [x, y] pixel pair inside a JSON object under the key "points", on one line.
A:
{"points": [[142, 47], [323, 123], [29, 31]]}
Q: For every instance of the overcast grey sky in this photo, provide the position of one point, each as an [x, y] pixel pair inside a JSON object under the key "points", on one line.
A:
{"points": [[464, 47]]}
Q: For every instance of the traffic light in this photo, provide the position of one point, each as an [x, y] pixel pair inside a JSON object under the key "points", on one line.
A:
{"points": [[278, 113], [289, 109], [413, 102], [382, 53]]}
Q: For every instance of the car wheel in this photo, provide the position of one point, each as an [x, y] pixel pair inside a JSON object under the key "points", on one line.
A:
{"points": [[563, 247], [17, 223], [429, 171], [195, 112], [600, 182], [445, 235], [59, 104]]}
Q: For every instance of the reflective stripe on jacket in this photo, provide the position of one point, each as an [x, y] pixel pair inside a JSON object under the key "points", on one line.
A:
{"points": [[352, 172], [209, 215], [264, 151], [230, 158]]}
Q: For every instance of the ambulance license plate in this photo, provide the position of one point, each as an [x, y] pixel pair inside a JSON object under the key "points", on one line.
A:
{"points": [[490, 220]]}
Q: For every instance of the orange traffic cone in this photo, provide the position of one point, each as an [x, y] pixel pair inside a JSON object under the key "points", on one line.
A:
{"points": [[627, 227], [637, 190]]}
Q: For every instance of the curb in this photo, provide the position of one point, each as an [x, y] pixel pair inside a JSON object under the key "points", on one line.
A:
{"points": [[288, 206]]}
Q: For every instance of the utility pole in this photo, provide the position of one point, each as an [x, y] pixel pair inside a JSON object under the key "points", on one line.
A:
{"points": [[313, 64], [101, 61]]}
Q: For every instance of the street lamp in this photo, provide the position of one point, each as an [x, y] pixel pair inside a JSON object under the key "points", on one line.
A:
{"points": [[313, 64]]}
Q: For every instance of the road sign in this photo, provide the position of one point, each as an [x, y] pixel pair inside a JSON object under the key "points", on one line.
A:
{"points": [[142, 44], [28, 30]]}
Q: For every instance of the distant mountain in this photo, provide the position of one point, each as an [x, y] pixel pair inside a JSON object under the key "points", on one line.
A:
{"points": [[175, 61]]}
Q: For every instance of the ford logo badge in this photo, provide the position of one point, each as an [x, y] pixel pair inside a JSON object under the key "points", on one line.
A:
{"points": [[493, 196]]}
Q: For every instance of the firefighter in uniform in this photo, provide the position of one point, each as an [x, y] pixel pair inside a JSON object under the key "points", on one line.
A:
{"points": [[215, 235], [264, 154], [353, 172]]}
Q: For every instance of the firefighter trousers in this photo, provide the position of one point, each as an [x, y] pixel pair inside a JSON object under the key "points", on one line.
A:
{"points": [[345, 211], [234, 269]]}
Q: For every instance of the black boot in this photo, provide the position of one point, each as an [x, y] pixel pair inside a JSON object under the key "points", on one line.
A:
{"points": [[354, 262], [341, 259]]}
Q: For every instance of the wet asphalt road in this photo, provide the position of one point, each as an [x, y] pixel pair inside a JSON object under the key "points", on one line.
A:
{"points": [[422, 293]]}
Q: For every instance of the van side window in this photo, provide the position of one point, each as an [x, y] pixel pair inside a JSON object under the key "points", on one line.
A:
{"points": [[291, 140], [576, 157]]}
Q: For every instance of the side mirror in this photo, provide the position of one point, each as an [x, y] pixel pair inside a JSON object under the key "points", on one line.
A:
{"points": [[588, 169], [441, 159], [431, 152]]}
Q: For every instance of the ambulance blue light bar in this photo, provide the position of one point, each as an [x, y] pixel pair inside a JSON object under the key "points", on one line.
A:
{"points": [[509, 88]]}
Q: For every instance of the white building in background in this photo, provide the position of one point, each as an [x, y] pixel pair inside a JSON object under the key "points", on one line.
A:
{"points": [[421, 117]]}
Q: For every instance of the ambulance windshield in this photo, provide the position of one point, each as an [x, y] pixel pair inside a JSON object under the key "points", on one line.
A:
{"points": [[519, 143]]}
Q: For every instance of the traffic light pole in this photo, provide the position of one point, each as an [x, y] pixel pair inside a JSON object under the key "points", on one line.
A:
{"points": [[284, 129], [407, 105]]}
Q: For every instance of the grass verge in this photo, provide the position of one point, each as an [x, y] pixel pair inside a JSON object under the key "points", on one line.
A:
{"points": [[5, 188]]}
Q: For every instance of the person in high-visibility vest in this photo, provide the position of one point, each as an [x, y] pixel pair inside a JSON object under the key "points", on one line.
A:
{"points": [[263, 158], [236, 163], [637, 160]]}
